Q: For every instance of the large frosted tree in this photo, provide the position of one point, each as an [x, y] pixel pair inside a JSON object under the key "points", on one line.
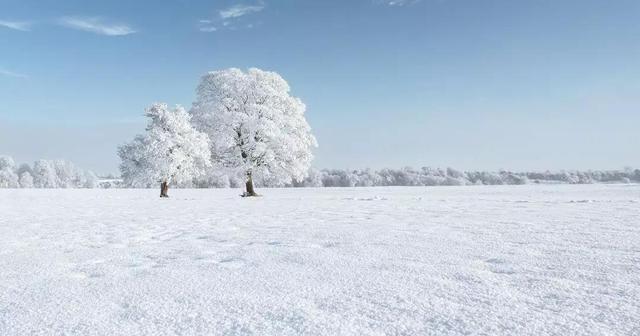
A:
{"points": [[171, 151], [257, 129]]}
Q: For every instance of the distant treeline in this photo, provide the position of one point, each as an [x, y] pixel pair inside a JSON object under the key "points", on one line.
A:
{"points": [[427, 176], [45, 174], [64, 174]]}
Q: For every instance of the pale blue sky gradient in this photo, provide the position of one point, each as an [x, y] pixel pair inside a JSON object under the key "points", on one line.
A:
{"points": [[473, 84]]}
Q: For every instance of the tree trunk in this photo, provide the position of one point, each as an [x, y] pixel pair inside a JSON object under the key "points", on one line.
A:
{"points": [[249, 185], [164, 189]]}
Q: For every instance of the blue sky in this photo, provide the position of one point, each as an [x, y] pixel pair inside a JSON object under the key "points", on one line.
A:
{"points": [[473, 84]]}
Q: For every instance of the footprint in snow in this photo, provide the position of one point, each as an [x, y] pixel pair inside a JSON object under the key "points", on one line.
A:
{"points": [[495, 261], [231, 262], [206, 257], [86, 275], [499, 266]]}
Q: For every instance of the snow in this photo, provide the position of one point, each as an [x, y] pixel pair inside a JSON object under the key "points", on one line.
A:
{"points": [[494, 260]]}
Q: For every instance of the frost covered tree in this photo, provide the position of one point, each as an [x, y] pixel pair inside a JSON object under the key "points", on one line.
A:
{"points": [[44, 174], [257, 129], [171, 152], [133, 163], [68, 175], [24, 168], [7, 163], [26, 180], [8, 176]]}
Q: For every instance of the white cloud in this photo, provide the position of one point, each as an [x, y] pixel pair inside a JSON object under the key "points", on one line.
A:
{"points": [[96, 25], [231, 18], [207, 26], [207, 29], [16, 25], [8, 73], [399, 3], [239, 10]]}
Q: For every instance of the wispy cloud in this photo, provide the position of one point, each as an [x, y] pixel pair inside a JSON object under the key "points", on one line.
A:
{"points": [[231, 18], [239, 10], [16, 25], [206, 26], [96, 25], [7, 73], [399, 3], [208, 29]]}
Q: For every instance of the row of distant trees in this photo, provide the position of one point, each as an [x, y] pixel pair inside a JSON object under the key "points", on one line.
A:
{"points": [[425, 176], [64, 174], [408, 176], [45, 174]]}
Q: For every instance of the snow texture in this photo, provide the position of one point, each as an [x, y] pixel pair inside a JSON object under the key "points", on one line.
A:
{"points": [[482, 260]]}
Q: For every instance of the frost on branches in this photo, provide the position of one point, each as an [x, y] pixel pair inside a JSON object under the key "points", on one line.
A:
{"points": [[171, 151], [257, 129]]}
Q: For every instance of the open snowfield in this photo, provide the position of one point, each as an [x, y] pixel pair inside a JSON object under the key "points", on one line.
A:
{"points": [[508, 260]]}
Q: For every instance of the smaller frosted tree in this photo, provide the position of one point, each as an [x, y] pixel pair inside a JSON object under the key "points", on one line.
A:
{"points": [[171, 152]]}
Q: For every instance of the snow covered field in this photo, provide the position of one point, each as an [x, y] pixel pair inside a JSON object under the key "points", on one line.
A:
{"points": [[507, 260]]}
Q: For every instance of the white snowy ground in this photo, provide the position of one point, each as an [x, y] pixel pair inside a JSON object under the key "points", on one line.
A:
{"points": [[511, 260]]}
